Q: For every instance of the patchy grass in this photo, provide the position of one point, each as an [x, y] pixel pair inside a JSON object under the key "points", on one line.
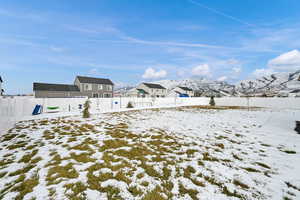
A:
{"points": [[263, 165], [21, 171], [191, 192], [27, 157], [240, 184], [154, 195], [26, 186], [250, 169], [57, 173], [151, 164], [83, 157], [75, 190]]}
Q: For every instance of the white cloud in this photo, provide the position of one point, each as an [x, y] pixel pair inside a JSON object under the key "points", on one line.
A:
{"points": [[222, 78], [201, 70], [166, 43], [287, 62], [95, 72], [258, 73], [236, 70], [150, 73]]}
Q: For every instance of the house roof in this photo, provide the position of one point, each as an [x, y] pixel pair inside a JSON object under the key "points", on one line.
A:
{"points": [[85, 79], [142, 91], [1, 79], [185, 88], [54, 87], [153, 85]]}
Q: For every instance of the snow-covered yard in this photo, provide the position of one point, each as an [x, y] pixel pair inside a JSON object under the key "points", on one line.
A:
{"points": [[174, 153]]}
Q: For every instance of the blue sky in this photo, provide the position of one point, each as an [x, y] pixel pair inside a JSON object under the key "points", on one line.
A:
{"points": [[131, 41]]}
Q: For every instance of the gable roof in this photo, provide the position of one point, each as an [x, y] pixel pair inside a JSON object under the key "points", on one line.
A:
{"points": [[153, 85], [54, 87], [185, 88], [85, 79], [142, 91], [1, 80]]}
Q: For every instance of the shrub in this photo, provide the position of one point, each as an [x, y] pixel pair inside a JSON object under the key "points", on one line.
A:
{"points": [[129, 105], [86, 112], [212, 101]]}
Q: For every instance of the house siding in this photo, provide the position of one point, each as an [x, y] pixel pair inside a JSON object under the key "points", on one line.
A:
{"points": [[182, 91], [94, 91], [104, 92], [153, 92], [56, 94]]}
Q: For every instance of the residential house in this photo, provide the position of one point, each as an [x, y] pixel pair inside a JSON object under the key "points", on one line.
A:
{"points": [[94, 87], [46, 90], [136, 92], [1, 89], [82, 87], [152, 90], [184, 91]]}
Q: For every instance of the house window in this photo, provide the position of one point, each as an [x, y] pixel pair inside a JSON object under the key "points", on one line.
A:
{"points": [[95, 95], [88, 87], [109, 88], [100, 87]]}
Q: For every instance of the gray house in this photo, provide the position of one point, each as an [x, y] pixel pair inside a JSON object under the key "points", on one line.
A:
{"points": [[46, 90], [83, 87], [94, 87]]}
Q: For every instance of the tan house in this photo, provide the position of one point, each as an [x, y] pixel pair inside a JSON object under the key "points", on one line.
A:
{"points": [[185, 91], [151, 90], [137, 92]]}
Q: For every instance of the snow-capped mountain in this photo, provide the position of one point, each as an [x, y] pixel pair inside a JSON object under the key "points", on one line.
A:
{"points": [[272, 85], [202, 86], [283, 82]]}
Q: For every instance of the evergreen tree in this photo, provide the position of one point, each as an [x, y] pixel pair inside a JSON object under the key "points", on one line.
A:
{"points": [[129, 105], [86, 112], [212, 101]]}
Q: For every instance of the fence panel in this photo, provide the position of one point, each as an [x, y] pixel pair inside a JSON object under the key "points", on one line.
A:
{"points": [[16, 108]]}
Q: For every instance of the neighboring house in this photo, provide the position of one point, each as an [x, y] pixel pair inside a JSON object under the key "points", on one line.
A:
{"points": [[152, 90], [135, 92], [83, 87], [184, 91], [1, 89], [46, 90], [94, 87], [198, 93], [173, 93]]}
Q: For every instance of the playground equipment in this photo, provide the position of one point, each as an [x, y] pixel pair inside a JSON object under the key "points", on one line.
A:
{"points": [[51, 109], [37, 109]]}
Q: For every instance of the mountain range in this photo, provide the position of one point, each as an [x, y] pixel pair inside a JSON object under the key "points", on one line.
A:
{"points": [[281, 83]]}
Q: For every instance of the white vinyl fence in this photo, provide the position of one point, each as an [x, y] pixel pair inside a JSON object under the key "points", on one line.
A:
{"points": [[274, 102], [13, 109]]}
